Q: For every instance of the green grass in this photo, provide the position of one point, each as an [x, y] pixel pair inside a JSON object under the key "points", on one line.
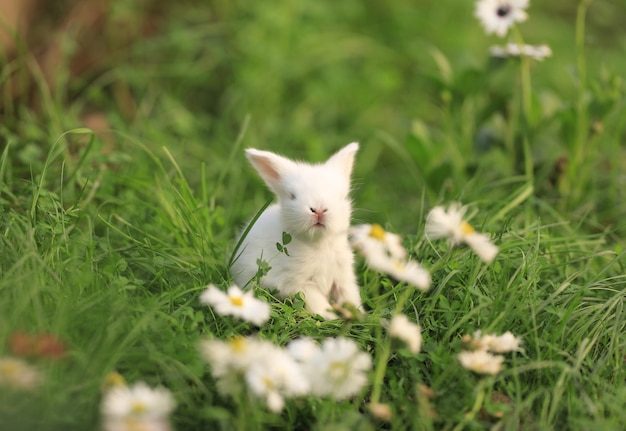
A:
{"points": [[108, 238]]}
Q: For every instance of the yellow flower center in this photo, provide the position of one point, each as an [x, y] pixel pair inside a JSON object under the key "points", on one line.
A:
{"points": [[238, 344], [138, 408], [338, 369], [10, 368], [269, 383], [377, 232], [237, 301], [114, 379], [466, 228]]}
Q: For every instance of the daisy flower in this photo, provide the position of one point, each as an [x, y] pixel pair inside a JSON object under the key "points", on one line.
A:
{"points": [[269, 372], [449, 223], [373, 239], [18, 374], [276, 376], [504, 343], [497, 16], [383, 251], [237, 303], [406, 331], [481, 361], [337, 368], [539, 52], [230, 360], [137, 407]]}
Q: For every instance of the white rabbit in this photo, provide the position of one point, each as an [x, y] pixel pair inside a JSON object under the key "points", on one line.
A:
{"points": [[313, 207]]}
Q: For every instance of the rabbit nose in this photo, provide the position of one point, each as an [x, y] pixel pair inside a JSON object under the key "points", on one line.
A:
{"points": [[319, 213]]}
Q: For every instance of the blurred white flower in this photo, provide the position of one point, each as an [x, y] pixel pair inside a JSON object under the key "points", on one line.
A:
{"points": [[481, 361], [275, 376], [137, 407], [481, 244], [383, 251], [504, 343], [303, 349], [539, 52], [450, 224], [237, 303], [230, 360], [410, 272], [410, 333], [18, 374], [337, 368], [497, 16], [268, 371], [372, 239]]}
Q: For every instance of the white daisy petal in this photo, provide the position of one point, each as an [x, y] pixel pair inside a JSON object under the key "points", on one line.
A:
{"points": [[383, 252], [337, 368], [538, 53], [18, 374], [446, 223], [449, 223], [406, 331], [482, 246], [137, 401], [237, 303], [481, 361], [412, 273], [504, 343], [498, 16]]}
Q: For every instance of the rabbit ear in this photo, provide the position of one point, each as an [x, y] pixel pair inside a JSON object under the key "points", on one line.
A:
{"points": [[271, 167], [344, 158]]}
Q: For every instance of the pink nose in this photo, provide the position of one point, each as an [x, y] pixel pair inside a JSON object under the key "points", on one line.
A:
{"points": [[319, 213]]}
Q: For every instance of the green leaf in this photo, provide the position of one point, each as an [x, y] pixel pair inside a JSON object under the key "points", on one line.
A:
{"points": [[286, 238]]}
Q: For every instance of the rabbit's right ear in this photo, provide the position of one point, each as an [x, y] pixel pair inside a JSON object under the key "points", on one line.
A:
{"points": [[271, 167]]}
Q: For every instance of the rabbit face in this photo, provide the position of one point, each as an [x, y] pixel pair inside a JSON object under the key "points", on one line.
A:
{"points": [[314, 199], [315, 203]]}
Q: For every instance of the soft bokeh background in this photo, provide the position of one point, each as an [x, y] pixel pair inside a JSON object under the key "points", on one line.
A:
{"points": [[411, 80]]}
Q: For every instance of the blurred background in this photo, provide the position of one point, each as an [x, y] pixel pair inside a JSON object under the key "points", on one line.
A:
{"points": [[411, 80]]}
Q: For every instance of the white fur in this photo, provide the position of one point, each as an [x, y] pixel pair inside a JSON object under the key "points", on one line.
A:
{"points": [[320, 262]]}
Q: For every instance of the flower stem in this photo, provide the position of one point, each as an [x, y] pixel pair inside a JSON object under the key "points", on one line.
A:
{"points": [[481, 390], [381, 368], [385, 349], [526, 102], [575, 173]]}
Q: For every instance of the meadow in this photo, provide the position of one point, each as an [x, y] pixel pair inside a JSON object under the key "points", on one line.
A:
{"points": [[124, 186]]}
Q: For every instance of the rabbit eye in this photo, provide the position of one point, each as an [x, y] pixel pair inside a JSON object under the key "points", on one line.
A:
{"points": [[292, 196]]}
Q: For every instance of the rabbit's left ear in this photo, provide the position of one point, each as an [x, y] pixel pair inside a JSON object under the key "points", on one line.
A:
{"points": [[344, 159]]}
